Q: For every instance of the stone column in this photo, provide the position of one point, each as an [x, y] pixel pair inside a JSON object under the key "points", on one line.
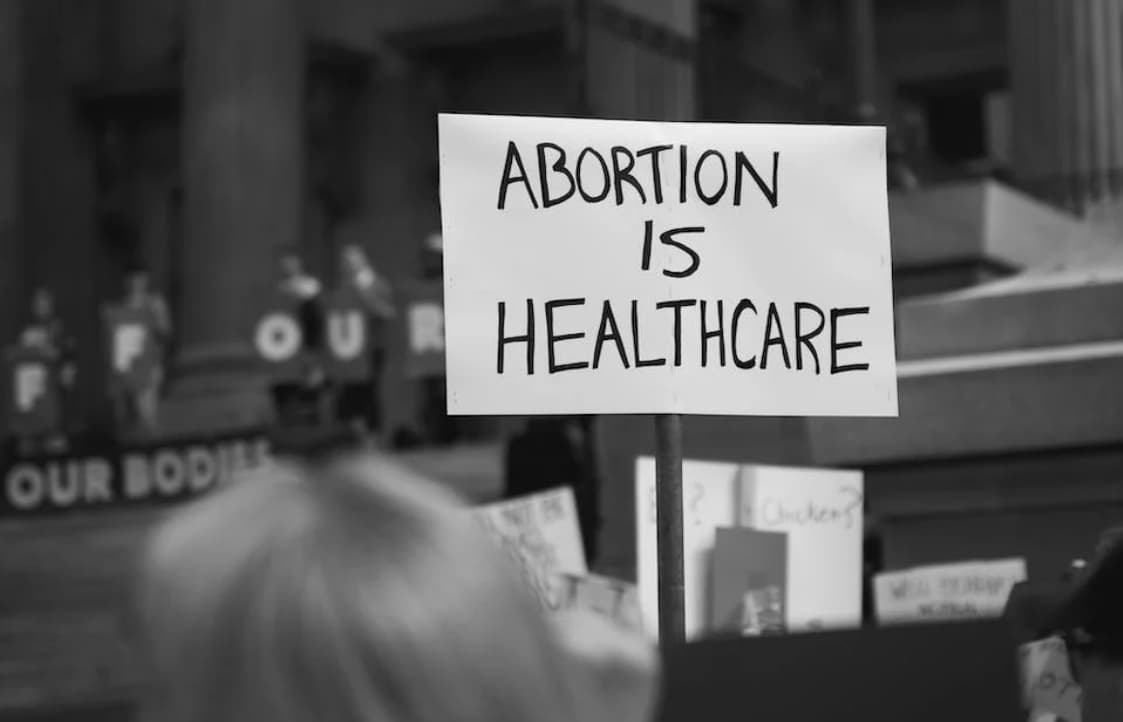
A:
{"points": [[13, 294], [243, 175], [861, 26], [1066, 71]]}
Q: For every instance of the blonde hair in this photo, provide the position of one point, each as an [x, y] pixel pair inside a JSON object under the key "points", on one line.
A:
{"points": [[349, 593]]}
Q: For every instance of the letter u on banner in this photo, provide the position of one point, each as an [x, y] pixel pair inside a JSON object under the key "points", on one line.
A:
{"points": [[346, 334]]}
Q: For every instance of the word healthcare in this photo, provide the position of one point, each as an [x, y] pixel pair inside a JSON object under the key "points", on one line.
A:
{"points": [[626, 267]]}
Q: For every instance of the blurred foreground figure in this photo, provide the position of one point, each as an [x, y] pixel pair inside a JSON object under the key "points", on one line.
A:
{"points": [[355, 592]]}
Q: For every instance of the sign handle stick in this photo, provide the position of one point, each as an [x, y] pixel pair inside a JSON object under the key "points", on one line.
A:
{"points": [[668, 516]]}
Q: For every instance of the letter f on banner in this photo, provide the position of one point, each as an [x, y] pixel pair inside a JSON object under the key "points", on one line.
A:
{"points": [[31, 385], [128, 345]]}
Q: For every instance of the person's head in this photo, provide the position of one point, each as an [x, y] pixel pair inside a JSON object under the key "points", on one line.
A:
{"points": [[42, 305], [351, 591], [290, 264], [137, 283], [353, 259]]}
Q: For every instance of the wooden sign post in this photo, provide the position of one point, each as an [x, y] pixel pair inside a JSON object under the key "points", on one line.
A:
{"points": [[626, 267]]}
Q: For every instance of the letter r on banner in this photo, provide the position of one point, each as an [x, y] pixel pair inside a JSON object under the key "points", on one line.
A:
{"points": [[31, 385], [426, 328], [128, 345]]}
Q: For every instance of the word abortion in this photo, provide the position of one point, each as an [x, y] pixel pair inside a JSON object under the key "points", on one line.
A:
{"points": [[740, 333], [595, 176]]}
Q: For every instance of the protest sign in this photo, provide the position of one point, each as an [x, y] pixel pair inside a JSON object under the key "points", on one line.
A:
{"points": [[818, 510], [821, 511], [596, 266], [110, 478], [1048, 687], [966, 590], [134, 349], [279, 340], [605, 596], [347, 336], [541, 535], [34, 404], [424, 326]]}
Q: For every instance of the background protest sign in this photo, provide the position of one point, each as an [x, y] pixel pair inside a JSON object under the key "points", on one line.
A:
{"points": [[819, 510], [1048, 687], [596, 266], [947, 591], [132, 346], [33, 403], [541, 534], [608, 597]]}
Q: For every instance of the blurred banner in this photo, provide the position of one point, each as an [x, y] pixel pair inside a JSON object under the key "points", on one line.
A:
{"points": [[107, 477], [134, 352], [424, 328], [32, 397], [279, 340], [947, 591], [347, 336]]}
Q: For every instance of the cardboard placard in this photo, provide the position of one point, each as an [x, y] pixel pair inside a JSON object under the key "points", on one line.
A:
{"points": [[967, 590], [133, 347], [600, 266], [347, 336], [33, 397], [278, 340], [612, 598], [424, 329], [819, 510], [1048, 686], [541, 535]]}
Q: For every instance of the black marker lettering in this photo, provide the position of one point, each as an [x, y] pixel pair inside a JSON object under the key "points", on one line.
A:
{"points": [[552, 339], [528, 339], [744, 305], [514, 158], [836, 346], [558, 167]]}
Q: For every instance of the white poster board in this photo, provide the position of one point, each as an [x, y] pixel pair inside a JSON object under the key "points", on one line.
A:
{"points": [[967, 590], [541, 534], [606, 266], [1048, 688], [820, 510]]}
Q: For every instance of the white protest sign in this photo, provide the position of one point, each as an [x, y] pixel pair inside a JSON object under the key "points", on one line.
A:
{"points": [[541, 534], [605, 596], [597, 266], [820, 510], [967, 590], [709, 493], [1047, 685]]}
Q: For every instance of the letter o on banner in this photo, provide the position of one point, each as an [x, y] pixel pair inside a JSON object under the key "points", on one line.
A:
{"points": [[169, 472], [278, 337], [24, 486]]}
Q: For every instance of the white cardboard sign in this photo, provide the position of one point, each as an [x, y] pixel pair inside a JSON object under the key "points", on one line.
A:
{"points": [[597, 266], [968, 590], [819, 509], [541, 534], [1048, 688]]}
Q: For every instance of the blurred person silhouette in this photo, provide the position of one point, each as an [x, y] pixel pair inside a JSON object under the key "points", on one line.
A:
{"points": [[138, 408], [351, 590], [302, 402], [358, 403], [551, 452], [45, 330]]}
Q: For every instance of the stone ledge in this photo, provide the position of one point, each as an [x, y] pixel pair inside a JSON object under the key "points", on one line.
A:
{"points": [[987, 404], [1022, 313]]}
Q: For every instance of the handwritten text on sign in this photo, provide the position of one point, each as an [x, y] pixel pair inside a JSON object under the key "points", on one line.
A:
{"points": [[629, 267], [948, 591]]}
